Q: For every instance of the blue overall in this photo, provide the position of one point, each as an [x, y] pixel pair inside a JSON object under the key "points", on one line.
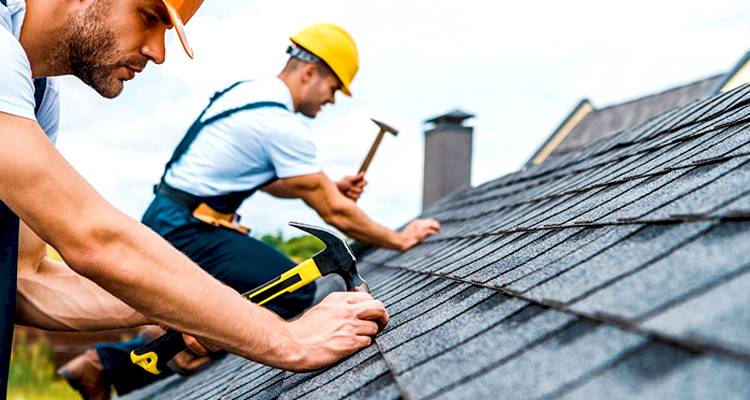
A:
{"points": [[9, 265], [238, 260]]}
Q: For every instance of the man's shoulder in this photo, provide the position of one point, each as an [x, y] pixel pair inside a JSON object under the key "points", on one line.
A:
{"points": [[282, 124], [268, 89], [5, 18], [248, 92], [16, 86], [9, 44]]}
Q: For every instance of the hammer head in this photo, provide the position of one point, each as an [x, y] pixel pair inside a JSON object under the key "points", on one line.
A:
{"points": [[336, 257], [385, 127]]}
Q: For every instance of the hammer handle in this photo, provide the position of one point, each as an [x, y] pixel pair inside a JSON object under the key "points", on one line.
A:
{"points": [[297, 277], [371, 153], [154, 356]]}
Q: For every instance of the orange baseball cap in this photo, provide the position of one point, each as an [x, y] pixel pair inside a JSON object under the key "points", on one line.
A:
{"points": [[180, 11]]}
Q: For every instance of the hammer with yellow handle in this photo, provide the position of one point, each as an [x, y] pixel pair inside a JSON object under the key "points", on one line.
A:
{"points": [[335, 258]]}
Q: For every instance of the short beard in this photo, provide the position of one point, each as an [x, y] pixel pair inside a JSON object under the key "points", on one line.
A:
{"points": [[91, 49], [308, 109]]}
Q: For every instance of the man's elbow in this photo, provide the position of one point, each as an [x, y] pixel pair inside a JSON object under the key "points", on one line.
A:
{"points": [[93, 247], [337, 215]]}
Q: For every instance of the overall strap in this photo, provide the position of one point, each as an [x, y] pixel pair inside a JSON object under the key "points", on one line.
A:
{"points": [[217, 96], [246, 107], [199, 124], [40, 86], [192, 132]]}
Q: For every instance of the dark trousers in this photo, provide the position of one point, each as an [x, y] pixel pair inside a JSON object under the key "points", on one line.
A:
{"points": [[238, 260], [8, 268]]}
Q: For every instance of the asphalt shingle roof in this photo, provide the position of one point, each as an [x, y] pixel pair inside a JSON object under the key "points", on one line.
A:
{"points": [[617, 271], [612, 119]]}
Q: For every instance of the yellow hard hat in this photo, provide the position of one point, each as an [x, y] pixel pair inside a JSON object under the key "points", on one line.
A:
{"points": [[332, 44], [180, 11]]}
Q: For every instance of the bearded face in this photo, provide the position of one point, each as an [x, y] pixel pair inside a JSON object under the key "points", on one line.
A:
{"points": [[92, 53], [309, 107]]}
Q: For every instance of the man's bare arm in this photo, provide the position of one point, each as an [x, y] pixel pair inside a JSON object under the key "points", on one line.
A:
{"points": [[52, 296], [322, 194], [135, 264]]}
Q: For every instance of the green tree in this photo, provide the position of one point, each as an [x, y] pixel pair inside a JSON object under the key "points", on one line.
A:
{"points": [[297, 248]]}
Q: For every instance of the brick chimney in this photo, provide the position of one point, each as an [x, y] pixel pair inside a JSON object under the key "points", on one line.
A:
{"points": [[447, 156]]}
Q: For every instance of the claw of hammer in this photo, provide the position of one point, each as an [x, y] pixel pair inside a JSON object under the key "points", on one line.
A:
{"points": [[383, 129], [336, 258]]}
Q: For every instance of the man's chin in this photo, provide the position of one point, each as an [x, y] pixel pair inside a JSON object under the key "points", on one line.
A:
{"points": [[110, 89], [310, 113]]}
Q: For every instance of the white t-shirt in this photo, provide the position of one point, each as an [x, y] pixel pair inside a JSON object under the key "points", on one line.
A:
{"points": [[250, 147], [16, 85]]}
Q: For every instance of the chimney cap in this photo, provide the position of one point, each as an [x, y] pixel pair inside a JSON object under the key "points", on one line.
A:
{"points": [[455, 117]]}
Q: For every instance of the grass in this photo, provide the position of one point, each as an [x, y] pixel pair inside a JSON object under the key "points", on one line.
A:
{"points": [[32, 373]]}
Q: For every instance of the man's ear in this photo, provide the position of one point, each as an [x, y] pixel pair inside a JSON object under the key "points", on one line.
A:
{"points": [[308, 73]]}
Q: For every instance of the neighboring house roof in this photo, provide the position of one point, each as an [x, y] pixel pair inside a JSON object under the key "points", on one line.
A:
{"points": [[585, 124], [618, 271]]}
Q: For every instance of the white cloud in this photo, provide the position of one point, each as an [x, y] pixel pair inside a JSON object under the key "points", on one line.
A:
{"points": [[518, 66]]}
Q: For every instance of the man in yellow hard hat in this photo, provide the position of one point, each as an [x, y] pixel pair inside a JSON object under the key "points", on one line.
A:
{"points": [[249, 138], [119, 273]]}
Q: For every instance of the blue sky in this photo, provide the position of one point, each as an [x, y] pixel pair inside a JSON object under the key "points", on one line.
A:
{"points": [[520, 67]]}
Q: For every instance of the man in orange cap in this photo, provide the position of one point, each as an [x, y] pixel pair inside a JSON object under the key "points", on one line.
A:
{"points": [[119, 273]]}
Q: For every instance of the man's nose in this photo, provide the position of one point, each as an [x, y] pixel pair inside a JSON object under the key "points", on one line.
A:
{"points": [[154, 49]]}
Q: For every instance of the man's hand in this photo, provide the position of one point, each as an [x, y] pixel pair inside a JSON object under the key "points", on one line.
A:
{"points": [[325, 196], [352, 186], [342, 324], [187, 361], [417, 231], [195, 357]]}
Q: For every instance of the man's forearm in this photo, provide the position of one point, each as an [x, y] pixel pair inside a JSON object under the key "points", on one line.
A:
{"points": [[52, 296], [124, 257], [322, 195], [56, 298], [353, 222], [160, 282]]}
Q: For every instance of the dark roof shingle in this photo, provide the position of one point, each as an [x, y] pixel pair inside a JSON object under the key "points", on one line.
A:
{"points": [[616, 271], [609, 120]]}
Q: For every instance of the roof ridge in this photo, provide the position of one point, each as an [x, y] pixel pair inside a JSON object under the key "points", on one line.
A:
{"points": [[545, 168], [660, 93]]}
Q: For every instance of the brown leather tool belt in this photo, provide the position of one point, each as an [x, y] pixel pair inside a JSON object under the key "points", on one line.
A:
{"points": [[202, 211]]}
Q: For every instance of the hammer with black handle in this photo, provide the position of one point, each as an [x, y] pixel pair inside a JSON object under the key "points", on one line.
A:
{"points": [[335, 258], [370, 154]]}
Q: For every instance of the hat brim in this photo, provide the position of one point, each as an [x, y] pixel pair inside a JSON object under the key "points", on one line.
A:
{"points": [[179, 27]]}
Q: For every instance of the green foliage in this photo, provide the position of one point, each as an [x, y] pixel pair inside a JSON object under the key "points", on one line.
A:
{"points": [[32, 373], [297, 248]]}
